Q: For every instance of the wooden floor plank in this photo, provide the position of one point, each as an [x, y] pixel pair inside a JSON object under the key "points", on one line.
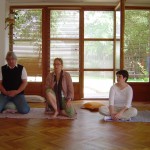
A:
{"points": [[87, 132]]}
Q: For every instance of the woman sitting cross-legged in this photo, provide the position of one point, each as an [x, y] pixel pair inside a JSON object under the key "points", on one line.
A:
{"points": [[120, 99], [59, 91]]}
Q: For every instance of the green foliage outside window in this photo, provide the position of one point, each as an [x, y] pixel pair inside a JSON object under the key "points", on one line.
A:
{"points": [[137, 44]]}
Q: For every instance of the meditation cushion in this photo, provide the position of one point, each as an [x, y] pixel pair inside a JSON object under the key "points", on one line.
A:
{"points": [[10, 105], [34, 98], [94, 106]]}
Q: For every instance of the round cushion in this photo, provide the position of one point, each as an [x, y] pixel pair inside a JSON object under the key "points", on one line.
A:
{"points": [[10, 105]]}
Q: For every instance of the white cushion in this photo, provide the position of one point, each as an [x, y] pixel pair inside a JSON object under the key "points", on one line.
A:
{"points": [[34, 98]]}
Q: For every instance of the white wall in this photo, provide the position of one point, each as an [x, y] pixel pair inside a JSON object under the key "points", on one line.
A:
{"points": [[3, 33]]}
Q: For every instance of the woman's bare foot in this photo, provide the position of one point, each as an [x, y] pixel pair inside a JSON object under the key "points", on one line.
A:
{"points": [[63, 113], [55, 114]]}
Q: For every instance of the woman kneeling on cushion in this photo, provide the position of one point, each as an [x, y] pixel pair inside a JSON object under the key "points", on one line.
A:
{"points": [[59, 90]]}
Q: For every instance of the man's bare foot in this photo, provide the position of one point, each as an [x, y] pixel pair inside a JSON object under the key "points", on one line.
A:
{"points": [[55, 114]]}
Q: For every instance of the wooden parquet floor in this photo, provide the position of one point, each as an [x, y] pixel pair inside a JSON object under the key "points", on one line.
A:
{"points": [[87, 132]]}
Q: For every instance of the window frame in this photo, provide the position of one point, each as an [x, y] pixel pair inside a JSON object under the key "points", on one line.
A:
{"points": [[46, 41]]}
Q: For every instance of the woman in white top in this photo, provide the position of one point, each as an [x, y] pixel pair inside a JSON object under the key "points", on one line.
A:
{"points": [[120, 99]]}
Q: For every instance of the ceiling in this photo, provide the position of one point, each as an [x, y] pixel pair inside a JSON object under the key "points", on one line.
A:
{"points": [[108, 2]]}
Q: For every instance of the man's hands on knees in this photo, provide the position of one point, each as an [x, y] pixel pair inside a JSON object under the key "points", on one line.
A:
{"points": [[12, 93]]}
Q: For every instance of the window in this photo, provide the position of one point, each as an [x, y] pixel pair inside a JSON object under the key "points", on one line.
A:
{"points": [[137, 44], [27, 42], [98, 53], [64, 40]]}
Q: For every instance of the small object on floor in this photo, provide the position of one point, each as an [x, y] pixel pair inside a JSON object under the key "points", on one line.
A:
{"points": [[129, 119], [93, 106], [108, 118]]}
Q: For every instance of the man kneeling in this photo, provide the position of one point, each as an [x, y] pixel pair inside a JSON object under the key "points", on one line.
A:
{"points": [[13, 81]]}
